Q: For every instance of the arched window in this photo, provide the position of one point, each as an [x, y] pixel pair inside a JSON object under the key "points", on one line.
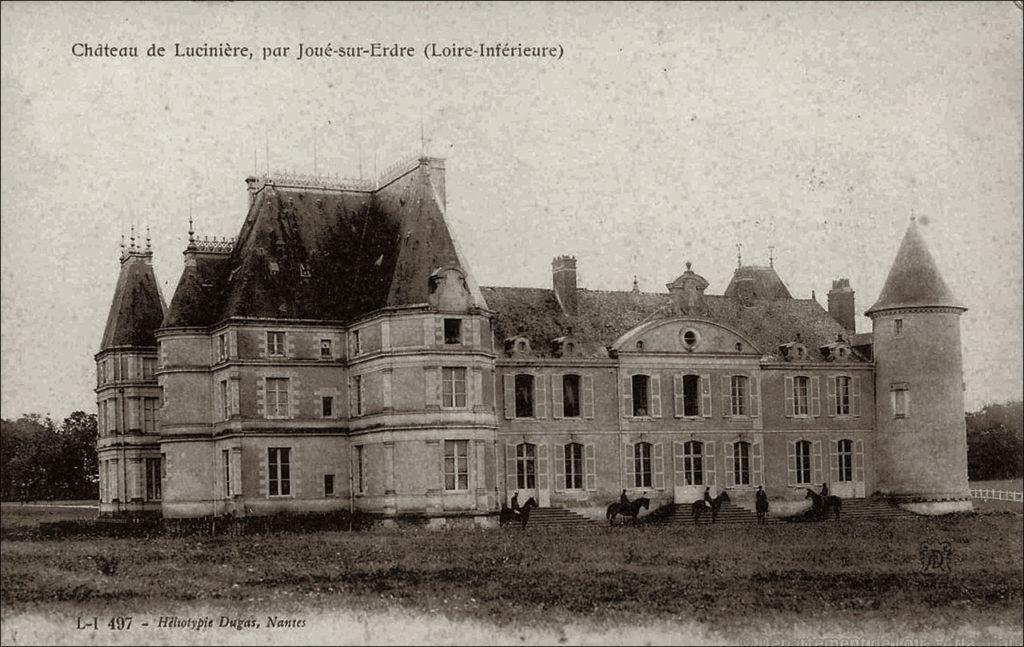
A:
{"points": [[842, 395], [641, 395], [524, 396], [738, 395], [803, 461], [570, 396], [801, 395], [845, 453], [691, 395], [642, 465], [693, 462], [574, 466], [741, 463], [526, 466]]}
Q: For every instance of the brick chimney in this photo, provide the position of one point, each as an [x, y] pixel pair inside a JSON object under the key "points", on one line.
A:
{"points": [[563, 271], [840, 304]]}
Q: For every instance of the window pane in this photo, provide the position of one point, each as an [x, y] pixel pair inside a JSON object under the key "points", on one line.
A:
{"points": [[641, 385], [570, 396], [524, 396]]}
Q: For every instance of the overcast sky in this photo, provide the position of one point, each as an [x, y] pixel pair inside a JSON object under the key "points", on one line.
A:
{"points": [[666, 133]]}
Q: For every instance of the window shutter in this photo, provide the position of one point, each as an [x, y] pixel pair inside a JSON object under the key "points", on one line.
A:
{"points": [[705, 396], [678, 462], [428, 333], [627, 397], [559, 467], [855, 396], [432, 380], [659, 466], [730, 466], [510, 470], [833, 461], [708, 461], [677, 395], [755, 397], [788, 390], [831, 392], [628, 465], [588, 396], [540, 393], [756, 465], [478, 387], [542, 467], [726, 397], [791, 460], [816, 467], [557, 408], [816, 397], [590, 460], [858, 461], [510, 395], [438, 331], [656, 396]]}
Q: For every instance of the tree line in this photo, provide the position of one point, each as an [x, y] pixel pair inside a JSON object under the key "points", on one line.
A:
{"points": [[41, 459]]}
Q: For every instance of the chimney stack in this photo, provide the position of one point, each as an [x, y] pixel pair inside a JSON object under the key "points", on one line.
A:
{"points": [[563, 271], [841, 306]]}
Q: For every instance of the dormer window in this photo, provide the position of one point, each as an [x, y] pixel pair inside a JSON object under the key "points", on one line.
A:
{"points": [[453, 331], [690, 338], [640, 345]]}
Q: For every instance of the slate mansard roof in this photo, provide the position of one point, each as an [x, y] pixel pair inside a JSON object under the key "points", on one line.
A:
{"points": [[603, 316], [324, 253]]}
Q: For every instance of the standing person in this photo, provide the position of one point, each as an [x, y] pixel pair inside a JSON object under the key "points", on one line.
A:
{"points": [[761, 504]]}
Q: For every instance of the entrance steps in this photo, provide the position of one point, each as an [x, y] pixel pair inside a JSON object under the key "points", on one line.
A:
{"points": [[728, 513], [557, 518], [854, 508]]}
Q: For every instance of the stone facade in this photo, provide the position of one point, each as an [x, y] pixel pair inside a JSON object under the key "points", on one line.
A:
{"points": [[339, 355]]}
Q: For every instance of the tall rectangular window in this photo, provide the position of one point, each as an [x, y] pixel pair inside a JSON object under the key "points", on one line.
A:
{"points": [[153, 485], [900, 401], [222, 346], [357, 395], [275, 344], [691, 395], [327, 406], [842, 395], [524, 396], [801, 395], [225, 405], [526, 466], [574, 466], [360, 459], [456, 464], [149, 414], [803, 462], [225, 458], [453, 331], [570, 396], [693, 462], [844, 451], [741, 463], [641, 385], [738, 395], [148, 367], [357, 346], [453, 387], [279, 471], [326, 349], [642, 465], [328, 484], [277, 397], [897, 327]]}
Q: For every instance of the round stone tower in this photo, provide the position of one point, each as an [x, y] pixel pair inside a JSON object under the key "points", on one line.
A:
{"points": [[921, 447]]}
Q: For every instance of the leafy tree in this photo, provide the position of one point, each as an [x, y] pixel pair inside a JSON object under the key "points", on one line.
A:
{"points": [[41, 460], [995, 442]]}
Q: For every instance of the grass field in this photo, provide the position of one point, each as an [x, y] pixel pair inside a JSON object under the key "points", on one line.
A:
{"points": [[740, 580]]}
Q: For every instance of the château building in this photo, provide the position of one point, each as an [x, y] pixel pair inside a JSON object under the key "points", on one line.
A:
{"points": [[338, 354]]}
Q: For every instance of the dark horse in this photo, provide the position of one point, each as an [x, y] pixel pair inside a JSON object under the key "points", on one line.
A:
{"points": [[762, 509], [821, 505], [508, 515], [716, 503], [631, 509]]}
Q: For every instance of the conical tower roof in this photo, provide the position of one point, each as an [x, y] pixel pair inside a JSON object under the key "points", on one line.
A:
{"points": [[914, 279], [137, 308]]}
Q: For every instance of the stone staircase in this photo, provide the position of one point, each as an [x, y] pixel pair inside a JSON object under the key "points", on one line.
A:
{"points": [[728, 513], [854, 509], [557, 518]]}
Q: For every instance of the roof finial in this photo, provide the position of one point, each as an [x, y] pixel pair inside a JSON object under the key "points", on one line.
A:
{"points": [[771, 256], [191, 229], [739, 255], [636, 284], [688, 264], [149, 245], [423, 138], [132, 238]]}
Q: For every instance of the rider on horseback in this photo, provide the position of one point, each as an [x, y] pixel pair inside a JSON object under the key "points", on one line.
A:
{"points": [[623, 499], [515, 502], [707, 497], [824, 491]]}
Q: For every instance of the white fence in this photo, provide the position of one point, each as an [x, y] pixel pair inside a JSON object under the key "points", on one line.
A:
{"points": [[996, 495]]}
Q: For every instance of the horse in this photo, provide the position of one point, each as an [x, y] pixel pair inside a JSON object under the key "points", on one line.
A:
{"points": [[820, 505], [508, 515], [716, 503], [631, 509], [762, 509]]}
